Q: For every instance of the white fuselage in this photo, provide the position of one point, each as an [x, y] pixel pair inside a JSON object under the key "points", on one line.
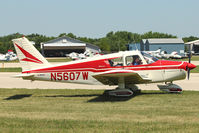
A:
{"points": [[85, 77]]}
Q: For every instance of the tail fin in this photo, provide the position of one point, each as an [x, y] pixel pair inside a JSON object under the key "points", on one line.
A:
{"points": [[29, 56]]}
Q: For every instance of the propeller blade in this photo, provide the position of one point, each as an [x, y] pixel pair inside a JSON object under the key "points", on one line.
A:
{"points": [[188, 73], [189, 53], [188, 69], [190, 57]]}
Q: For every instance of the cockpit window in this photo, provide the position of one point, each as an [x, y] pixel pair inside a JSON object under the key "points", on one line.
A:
{"points": [[133, 60], [149, 59], [116, 62]]}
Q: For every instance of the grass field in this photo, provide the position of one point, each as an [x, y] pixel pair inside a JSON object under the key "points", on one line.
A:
{"points": [[58, 59], [12, 69], [193, 58], [15, 61], [195, 70], [87, 111], [48, 59]]}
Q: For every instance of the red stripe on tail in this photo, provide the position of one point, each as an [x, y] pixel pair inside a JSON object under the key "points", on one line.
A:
{"points": [[30, 57]]}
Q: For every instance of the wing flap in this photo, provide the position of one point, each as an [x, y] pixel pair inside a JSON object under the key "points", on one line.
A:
{"points": [[112, 77]]}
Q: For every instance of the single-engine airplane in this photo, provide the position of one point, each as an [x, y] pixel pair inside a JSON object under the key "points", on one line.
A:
{"points": [[154, 53], [9, 56], [125, 69]]}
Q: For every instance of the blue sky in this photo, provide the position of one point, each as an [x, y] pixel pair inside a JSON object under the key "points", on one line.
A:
{"points": [[95, 18]]}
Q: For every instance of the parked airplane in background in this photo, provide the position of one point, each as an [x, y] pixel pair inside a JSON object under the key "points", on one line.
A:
{"points": [[9, 56], [154, 53], [73, 56], [125, 69], [173, 55], [77, 56], [163, 54]]}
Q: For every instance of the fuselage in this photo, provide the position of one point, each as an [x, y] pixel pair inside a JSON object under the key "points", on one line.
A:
{"points": [[81, 71]]}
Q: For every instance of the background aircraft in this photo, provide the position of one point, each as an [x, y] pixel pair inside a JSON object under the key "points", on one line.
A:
{"points": [[9, 56], [154, 53], [173, 55], [163, 54], [77, 56], [125, 69]]}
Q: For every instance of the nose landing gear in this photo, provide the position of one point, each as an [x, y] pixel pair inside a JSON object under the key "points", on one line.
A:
{"points": [[170, 88]]}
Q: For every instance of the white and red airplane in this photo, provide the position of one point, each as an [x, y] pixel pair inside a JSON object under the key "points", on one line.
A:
{"points": [[125, 69], [9, 56]]}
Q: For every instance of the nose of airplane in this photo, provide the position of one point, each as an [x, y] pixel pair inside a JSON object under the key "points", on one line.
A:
{"points": [[191, 66]]}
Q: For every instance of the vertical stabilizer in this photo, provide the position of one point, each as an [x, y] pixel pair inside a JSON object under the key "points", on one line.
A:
{"points": [[29, 56]]}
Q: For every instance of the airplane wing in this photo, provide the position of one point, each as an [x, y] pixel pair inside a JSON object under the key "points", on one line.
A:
{"points": [[112, 77]]}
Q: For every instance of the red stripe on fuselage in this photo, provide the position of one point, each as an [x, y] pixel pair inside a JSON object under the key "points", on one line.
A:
{"points": [[103, 66]]}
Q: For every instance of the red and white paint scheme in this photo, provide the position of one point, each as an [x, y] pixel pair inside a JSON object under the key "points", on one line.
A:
{"points": [[110, 69]]}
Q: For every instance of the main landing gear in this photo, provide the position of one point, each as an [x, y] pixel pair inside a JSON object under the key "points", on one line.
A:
{"points": [[120, 92], [124, 91], [170, 88]]}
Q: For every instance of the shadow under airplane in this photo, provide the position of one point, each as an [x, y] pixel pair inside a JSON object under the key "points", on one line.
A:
{"points": [[18, 96], [83, 95], [106, 98], [97, 97]]}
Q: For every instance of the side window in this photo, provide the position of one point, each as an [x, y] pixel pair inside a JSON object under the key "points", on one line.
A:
{"points": [[133, 60], [116, 62], [129, 60], [148, 58]]}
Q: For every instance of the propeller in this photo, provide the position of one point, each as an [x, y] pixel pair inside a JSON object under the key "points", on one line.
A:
{"points": [[188, 69], [188, 73]]}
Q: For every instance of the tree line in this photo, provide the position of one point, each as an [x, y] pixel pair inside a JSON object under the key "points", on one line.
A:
{"points": [[113, 41]]}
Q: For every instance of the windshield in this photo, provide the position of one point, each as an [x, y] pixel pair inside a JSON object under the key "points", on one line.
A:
{"points": [[149, 59]]}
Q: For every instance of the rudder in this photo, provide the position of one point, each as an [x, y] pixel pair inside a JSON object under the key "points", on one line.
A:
{"points": [[29, 56]]}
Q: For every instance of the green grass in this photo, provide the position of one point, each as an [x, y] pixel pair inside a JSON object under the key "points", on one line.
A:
{"points": [[14, 69], [15, 61], [195, 70], [59, 59], [24, 110], [193, 58], [48, 59]]}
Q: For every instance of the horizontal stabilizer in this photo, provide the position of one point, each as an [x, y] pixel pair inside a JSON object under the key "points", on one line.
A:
{"points": [[24, 76]]}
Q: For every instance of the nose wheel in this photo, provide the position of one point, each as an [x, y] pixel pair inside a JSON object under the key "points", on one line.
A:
{"points": [[170, 88]]}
